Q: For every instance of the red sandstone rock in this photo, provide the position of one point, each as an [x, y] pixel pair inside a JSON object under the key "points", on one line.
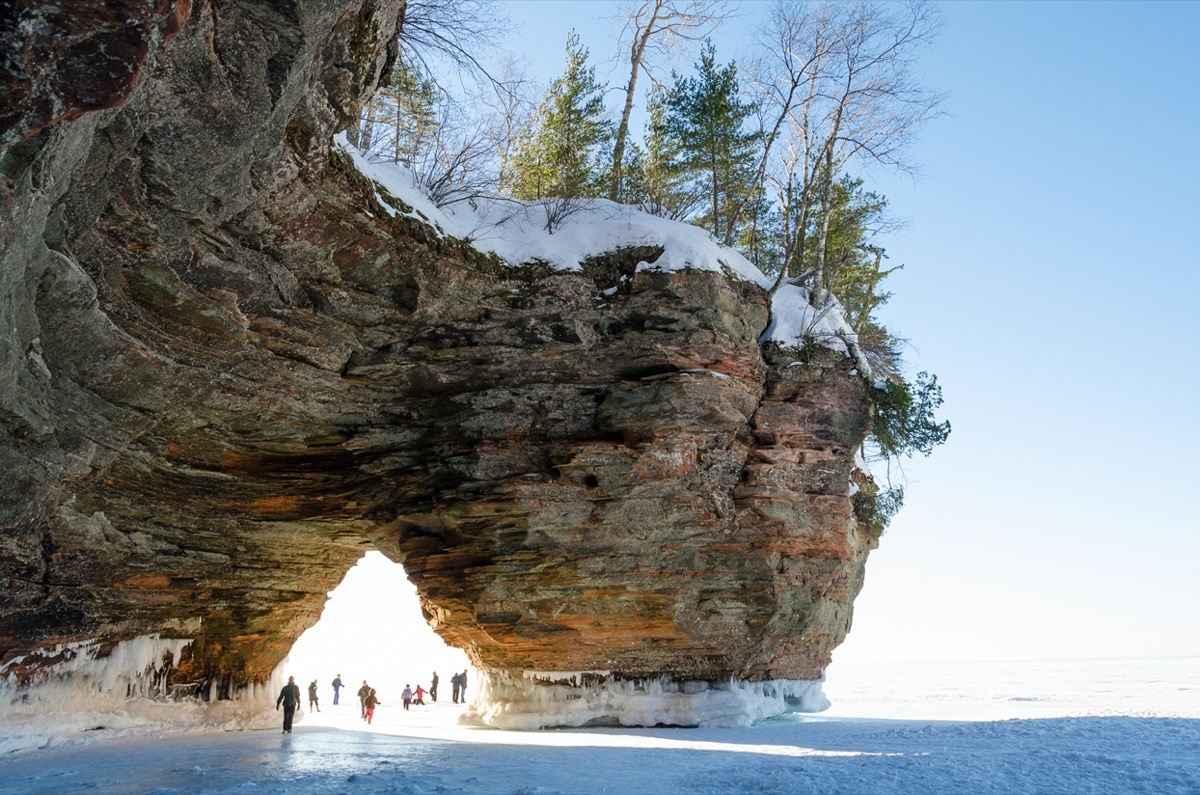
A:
{"points": [[228, 375]]}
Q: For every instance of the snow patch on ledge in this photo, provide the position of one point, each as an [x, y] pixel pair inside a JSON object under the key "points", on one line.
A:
{"points": [[527, 703], [515, 230], [85, 696], [796, 322]]}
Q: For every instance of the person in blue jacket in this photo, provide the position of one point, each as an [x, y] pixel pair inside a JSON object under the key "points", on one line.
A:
{"points": [[337, 685]]}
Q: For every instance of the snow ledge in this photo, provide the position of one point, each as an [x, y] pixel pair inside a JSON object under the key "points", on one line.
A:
{"points": [[514, 231]]}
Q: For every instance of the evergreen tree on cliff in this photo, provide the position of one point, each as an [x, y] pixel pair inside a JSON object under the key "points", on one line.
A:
{"points": [[707, 119], [854, 268], [655, 176], [405, 110], [557, 156]]}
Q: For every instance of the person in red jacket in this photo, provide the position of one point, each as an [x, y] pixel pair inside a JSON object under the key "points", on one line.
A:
{"points": [[370, 702]]}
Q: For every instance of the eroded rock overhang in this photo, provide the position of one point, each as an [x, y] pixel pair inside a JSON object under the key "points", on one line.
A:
{"points": [[227, 372]]}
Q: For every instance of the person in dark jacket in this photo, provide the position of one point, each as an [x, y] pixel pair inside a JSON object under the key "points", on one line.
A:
{"points": [[433, 687], [363, 692], [337, 686], [289, 697], [314, 703], [455, 686]]}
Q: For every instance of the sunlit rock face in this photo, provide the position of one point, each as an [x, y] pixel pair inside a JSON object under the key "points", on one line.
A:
{"points": [[225, 373]]}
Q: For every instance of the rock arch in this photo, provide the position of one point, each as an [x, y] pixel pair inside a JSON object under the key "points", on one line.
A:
{"points": [[228, 373]]}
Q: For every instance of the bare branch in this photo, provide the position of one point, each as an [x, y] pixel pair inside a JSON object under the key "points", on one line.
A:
{"points": [[658, 28], [840, 79], [454, 30]]}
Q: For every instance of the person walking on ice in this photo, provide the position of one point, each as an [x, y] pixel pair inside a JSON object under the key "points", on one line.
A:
{"points": [[313, 702], [363, 692], [337, 686], [406, 696], [289, 697], [369, 704]]}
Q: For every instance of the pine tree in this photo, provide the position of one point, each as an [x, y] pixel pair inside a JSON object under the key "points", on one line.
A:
{"points": [[851, 261], [403, 118], [654, 173], [707, 119], [558, 154], [759, 233], [854, 268]]}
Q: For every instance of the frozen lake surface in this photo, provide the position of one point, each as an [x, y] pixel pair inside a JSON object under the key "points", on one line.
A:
{"points": [[1078, 727]]}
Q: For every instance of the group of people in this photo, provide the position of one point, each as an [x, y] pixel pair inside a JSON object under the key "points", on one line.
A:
{"points": [[458, 687], [289, 697]]}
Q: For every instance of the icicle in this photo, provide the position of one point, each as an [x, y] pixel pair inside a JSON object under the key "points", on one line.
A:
{"points": [[125, 690], [594, 698]]}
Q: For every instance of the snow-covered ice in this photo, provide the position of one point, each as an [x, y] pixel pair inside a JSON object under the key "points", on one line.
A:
{"points": [[1076, 727]]}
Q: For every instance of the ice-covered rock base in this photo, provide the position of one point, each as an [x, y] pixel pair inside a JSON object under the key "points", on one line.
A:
{"points": [[91, 690], [542, 700]]}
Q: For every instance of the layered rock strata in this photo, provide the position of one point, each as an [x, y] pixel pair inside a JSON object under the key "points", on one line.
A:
{"points": [[226, 372]]}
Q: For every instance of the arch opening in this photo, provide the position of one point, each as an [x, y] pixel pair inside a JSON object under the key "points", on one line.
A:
{"points": [[372, 630]]}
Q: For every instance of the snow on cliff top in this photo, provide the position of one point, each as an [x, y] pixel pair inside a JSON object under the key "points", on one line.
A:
{"points": [[516, 232]]}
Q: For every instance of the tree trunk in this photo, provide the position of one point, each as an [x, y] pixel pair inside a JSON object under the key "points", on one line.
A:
{"points": [[817, 296], [396, 137], [368, 127], [637, 52], [716, 197]]}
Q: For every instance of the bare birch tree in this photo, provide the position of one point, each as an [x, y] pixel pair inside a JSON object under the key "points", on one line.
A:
{"points": [[504, 110], [657, 28], [840, 84]]}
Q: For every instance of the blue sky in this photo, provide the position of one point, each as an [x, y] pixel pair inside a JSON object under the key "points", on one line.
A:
{"points": [[1048, 282]]}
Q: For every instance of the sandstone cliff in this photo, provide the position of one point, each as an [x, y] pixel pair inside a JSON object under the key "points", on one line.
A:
{"points": [[226, 371]]}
